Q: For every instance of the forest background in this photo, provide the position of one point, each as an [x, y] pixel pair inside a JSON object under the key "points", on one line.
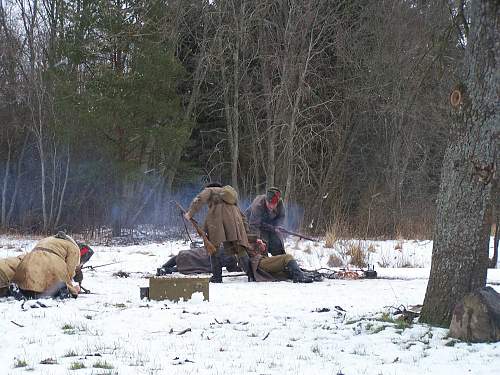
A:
{"points": [[110, 109]]}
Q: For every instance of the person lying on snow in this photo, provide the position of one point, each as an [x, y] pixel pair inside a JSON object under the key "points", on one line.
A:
{"points": [[47, 271], [265, 268], [197, 260], [274, 268]]}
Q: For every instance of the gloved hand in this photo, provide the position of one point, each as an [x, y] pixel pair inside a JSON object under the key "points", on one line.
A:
{"points": [[78, 275]]}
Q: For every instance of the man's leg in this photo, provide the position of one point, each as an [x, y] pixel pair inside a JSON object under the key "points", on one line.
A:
{"points": [[4, 291], [216, 265], [168, 267], [276, 265], [231, 263], [243, 258], [274, 244]]}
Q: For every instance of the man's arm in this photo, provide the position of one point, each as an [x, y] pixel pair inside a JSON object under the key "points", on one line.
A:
{"points": [[72, 261], [257, 212], [198, 202]]}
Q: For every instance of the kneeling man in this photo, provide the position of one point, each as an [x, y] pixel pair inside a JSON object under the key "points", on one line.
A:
{"points": [[48, 270]]}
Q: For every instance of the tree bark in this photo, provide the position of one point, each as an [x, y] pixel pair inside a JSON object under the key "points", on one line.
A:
{"points": [[460, 252]]}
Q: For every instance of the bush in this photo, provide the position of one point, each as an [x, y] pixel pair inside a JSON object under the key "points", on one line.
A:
{"points": [[358, 254]]}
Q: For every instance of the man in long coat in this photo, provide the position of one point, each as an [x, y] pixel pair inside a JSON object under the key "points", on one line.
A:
{"points": [[265, 215], [48, 267], [224, 224], [8, 267]]}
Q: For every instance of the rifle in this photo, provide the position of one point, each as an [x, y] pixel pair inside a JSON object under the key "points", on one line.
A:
{"points": [[269, 227], [100, 265], [211, 249]]}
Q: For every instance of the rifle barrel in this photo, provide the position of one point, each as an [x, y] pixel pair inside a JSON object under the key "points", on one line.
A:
{"points": [[297, 234], [100, 265]]}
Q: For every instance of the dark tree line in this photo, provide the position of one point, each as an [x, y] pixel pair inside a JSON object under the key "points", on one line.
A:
{"points": [[111, 108]]}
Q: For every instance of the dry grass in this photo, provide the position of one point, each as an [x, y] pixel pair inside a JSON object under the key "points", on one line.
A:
{"points": [[336, 232], [330, 239], [334, 261], [358, 254]]}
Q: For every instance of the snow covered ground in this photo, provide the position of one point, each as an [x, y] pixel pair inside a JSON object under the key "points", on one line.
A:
{"points": [[246, 328]]}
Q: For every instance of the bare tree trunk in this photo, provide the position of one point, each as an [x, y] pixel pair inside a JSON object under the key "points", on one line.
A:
{"points": [[189, 114], [5, 185], [63, 191], [18, 181], [461, 239], [270, 162], [53, 192], [495, 203]]}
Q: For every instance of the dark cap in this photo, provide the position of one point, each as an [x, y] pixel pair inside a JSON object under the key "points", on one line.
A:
{"points": [[213, 184]]}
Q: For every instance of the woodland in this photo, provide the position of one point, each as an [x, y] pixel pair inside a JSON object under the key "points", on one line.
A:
{"points": [[111, 109]]}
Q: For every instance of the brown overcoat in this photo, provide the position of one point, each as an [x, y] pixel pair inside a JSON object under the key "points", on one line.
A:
{"points": [[224, 220], [8, 267], [51, 261]]}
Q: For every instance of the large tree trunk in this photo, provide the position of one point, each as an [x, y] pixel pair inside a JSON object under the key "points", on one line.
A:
{"points": [[460, 252], [495, 208]]}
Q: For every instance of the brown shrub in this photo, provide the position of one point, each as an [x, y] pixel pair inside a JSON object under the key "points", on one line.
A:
{"points": [[358, 254], [334, 261]]}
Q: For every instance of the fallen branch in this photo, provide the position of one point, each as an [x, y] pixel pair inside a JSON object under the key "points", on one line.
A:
{"points": [[184, 331], [17, 324], [266, 336]]}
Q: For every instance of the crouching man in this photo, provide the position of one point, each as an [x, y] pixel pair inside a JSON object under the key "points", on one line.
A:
{"points": [[8, 267], [278, 267], [48, 269]]}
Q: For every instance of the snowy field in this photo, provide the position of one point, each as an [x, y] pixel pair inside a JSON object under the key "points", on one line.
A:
{"points": [[246, 328]]}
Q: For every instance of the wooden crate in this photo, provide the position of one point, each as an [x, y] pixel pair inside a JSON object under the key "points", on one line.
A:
{"points": [[178, 287]]}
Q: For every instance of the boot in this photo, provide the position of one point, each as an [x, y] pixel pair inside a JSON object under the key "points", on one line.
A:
{"points": [[16, 292], [245, 265], [165, 270], [296, 274], [62, 292], [171, 263], [216, 269]]}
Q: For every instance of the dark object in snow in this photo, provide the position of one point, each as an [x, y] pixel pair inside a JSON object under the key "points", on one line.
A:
{"points": [[321, 310], [184, 331], [15, 292], [477, 317], [144, 293], [48, 361], [266, 336], [92, 355], [370, 273], [17, 324], [339, 308], [407, 315], [121, 274]]}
